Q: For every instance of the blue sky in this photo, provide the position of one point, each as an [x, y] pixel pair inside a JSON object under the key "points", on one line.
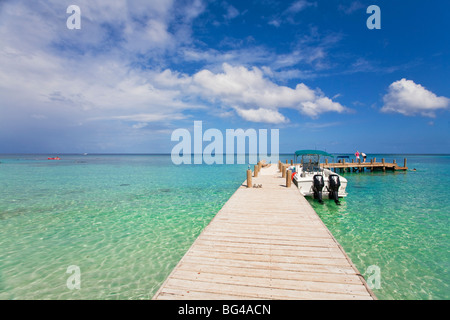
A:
{"points": [[138, 70]]}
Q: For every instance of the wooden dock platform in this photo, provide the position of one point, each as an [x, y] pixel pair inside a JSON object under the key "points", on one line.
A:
{"points": [[371, 165], [359, 166], [265, 243]]}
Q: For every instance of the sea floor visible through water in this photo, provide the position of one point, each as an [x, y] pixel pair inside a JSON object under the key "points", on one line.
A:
{"points": [[126, 221]]}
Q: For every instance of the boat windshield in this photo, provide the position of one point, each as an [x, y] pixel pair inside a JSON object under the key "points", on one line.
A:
{"points": [[311, 163]]}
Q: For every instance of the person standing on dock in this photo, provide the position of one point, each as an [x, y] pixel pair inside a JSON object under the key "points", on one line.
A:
{"points": [[357, 155], [364, 156]]}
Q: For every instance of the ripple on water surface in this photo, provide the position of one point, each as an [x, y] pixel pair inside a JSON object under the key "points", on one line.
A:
{"points": [[125, 224], [127, 220]]}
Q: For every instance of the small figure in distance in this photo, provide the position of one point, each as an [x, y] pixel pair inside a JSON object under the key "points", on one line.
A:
{"points": [[364, 156]]}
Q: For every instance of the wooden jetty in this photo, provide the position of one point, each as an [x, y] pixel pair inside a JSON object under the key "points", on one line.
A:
{"points": [[265, 243], [359, 166]]}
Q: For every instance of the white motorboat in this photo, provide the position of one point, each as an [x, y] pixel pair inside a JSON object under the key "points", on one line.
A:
{"points": [[314, 181]]}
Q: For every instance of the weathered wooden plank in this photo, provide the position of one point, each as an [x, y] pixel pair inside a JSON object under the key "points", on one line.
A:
{"points": [[268, 246], [269, 233], [273, 283], [273, 265], [191, 294], [272, 274], [260, 292], [330, 261], [274, 228], [278, 251], [275, 241]]}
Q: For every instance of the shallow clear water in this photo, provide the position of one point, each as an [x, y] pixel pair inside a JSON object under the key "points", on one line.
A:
{"points": [[126, 220], [398, 221]]}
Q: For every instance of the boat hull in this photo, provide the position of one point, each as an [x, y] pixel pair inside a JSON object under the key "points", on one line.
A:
{"points": [[305, 184]]}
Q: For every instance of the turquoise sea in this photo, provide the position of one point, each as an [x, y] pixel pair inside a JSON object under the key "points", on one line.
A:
{"points": [[126, 220], [399, 222]]}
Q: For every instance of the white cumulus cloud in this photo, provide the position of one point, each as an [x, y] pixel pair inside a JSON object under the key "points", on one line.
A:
{"points": [[408, 98], [262, 115], [246, 89]]}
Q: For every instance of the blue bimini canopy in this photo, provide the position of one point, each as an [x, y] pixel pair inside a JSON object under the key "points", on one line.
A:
{"points": [[312, 152]]}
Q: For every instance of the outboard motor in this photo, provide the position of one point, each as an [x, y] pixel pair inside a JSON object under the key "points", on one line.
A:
{"points": [[318, 185], [335, 183]]}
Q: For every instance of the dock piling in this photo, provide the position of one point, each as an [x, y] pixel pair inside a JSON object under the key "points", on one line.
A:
{"points": [[288, 178], [249, 178]]}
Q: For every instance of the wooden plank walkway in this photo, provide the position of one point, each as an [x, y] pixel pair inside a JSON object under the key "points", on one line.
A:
{"points": [[265, 243]]}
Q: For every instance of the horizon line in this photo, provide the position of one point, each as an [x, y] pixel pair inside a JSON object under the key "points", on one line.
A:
{"points": [[193, 154]]}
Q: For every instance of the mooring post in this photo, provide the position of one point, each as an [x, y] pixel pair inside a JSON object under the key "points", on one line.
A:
{"points": [[255, 172], [249, 178], [288, 178], [292, 162], [404, 163], [283, 170]]}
